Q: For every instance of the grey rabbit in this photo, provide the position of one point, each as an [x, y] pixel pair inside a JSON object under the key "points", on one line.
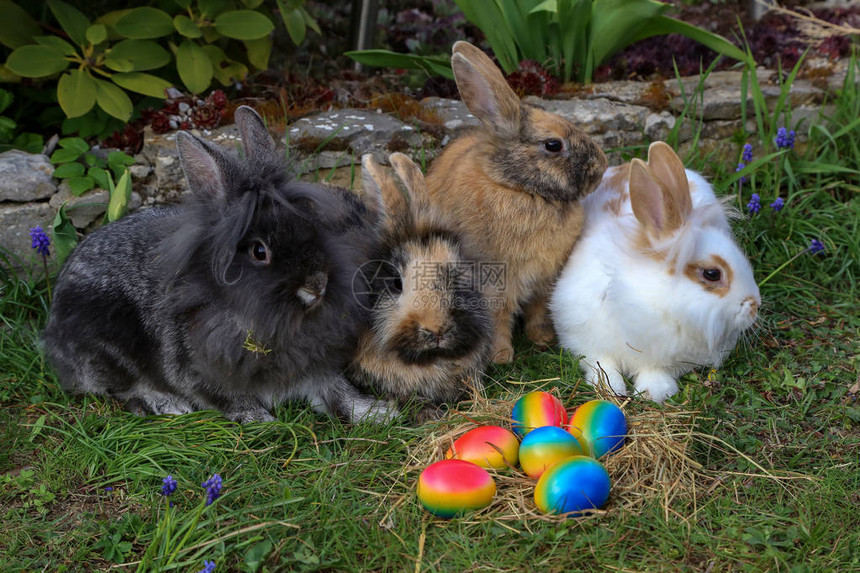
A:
{"points": [[236, 300]]}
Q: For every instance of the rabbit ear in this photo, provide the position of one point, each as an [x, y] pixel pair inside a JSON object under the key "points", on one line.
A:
{"points": [[393, 205], [653, 205], [413, 180], [484, 90], [669, 170], [256, 140], [206, 166]]}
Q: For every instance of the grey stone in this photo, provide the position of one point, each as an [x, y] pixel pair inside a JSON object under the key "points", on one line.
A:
{"points": [[16, 220], [453, 114], [658, 125], [596, 116], [25, 176], [84, 210]]}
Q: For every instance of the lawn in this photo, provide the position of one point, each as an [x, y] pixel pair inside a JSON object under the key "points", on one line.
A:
{"points": [[764, 453]]}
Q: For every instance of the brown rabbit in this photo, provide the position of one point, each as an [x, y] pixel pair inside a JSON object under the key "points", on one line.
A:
{"points": [[430, 333], [513, 187]]}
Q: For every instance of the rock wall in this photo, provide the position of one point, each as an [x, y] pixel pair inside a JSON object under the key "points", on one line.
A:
{"points": [[328, 146]]}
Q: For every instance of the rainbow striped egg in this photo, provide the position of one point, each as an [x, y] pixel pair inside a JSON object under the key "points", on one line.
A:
{"points": [[544, 446], [602, 424], [452, 487], [572, 485], [537, 409], [487, 446]]}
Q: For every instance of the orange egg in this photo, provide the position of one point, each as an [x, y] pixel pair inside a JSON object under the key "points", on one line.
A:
{"points": [[486, 446]]}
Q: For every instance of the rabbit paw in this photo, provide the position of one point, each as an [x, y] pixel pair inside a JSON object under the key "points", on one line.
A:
{"points": [[153, 402], [503, 352], [604, 373], [249, 416], [541, 333], [373, 411], [658, 384]]}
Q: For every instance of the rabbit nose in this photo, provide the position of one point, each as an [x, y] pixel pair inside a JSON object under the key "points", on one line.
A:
{"points": [[752, 304], [313, 291]]}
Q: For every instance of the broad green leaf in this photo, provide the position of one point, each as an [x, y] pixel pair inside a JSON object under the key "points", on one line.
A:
{"points": [[17, 28], [65, 155], [113, 100], [72, 21], [8, 76], [6, 99], [546, 6], [75, 144], [616, 23], [67, 170], [57, 44], [259, 51], [440, 65], [252, 4], [119, 159], [211, 8], [186, 26], [226, 71], [145, 84], [76, 93], [145, 23], [193, 66], [243, 24], [97, 33], [119, 198], [80, 185], [295, 24], [140, 54], [63, 235], [110, 19], [309, 21], [100, 176], [29, 142], [34, 61], [667, 25], [486, 16], [184, 4]]}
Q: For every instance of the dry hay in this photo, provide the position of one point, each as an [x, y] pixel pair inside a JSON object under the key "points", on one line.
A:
{"points": [[654, 465], [814, 29]]}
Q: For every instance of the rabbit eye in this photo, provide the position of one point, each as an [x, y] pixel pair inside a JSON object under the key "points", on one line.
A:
{"points": [[260, 253], [712, 275], [553, 145]]}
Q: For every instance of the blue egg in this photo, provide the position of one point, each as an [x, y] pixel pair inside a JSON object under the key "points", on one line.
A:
{"points": [[572, 485]]}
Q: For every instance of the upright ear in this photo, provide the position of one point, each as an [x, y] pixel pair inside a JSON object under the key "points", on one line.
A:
{"points": [[653, 205], [413, 181], [256, 140], [393, 208], [206, 166], [485, 91], [669, 170]]}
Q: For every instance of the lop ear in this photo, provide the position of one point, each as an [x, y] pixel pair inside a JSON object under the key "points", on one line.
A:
{"points": [[256, 141], [206, 166], [653, 205], [413, 182], [669, 170], [391, 202], [484, 90]]}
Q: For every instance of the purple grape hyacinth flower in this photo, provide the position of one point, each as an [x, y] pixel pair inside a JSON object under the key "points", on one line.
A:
{"points": [[784, 138], [743, 178], [213, 488], [754, 206], [168, 485], [746, 155], [815, 247], [208, 567], [41, 242], [778, 204]]}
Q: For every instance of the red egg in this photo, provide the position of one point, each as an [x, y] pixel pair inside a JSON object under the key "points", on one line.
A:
{"points": [[487, 446], [452, 487]]}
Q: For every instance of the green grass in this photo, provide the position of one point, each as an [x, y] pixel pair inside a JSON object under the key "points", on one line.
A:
{"points": [[308, 493]]}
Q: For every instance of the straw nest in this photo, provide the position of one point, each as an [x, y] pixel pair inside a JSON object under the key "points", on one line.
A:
{"points": [[654, 465]]}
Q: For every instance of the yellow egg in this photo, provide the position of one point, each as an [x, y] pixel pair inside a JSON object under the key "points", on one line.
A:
{"points": [[486, 446]]}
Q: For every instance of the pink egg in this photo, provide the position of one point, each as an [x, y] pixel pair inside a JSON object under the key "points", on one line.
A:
{"points": [[543, 447], [452, 487], [487, 446], [537, 409]]}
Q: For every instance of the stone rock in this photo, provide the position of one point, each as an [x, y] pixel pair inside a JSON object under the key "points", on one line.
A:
{"points": [[658, 125], [25, 176], [453, 114], [16, 220], [596, 116], [84, 210]]}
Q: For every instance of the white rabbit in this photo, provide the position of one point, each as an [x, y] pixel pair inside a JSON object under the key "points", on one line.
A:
{"points": [[656, 284]]}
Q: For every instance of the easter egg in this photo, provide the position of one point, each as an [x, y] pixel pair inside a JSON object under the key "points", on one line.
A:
{"points": [[537, 409], [452, 487], [602, 424], [488, 446], [544, 446], [572, 485]]}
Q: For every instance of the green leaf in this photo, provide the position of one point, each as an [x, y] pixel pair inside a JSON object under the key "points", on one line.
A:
{"points": [[259, 51], [34, 61], [17, 28], [211, 8], [440, 65], [76, 93], [243, 25], [252, 4], [72, 21], [77, 144], [186, 26], [144, 23], [29, 142], [145, 84], [667, 25], [487, 17], [65, 156], [63, 235], [119, 198], [616, 23], [193, 66], [119, 160], [100, 176], [226, 71], [140, 54], [97, 33], [113, 100], [184, 4], [58, 44], [67, 170], [6, 99], [295, 24], [309, 21], [80, 185]]}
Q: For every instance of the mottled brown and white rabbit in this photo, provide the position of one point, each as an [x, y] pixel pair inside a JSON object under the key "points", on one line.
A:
{"points": [[656, 284], [513, 187], [431, 330], [235, 300]]}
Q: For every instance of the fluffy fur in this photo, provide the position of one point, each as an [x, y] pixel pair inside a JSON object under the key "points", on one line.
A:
{"points": [[513, 187], [236, 300], [431, 330], [637, 296]]}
